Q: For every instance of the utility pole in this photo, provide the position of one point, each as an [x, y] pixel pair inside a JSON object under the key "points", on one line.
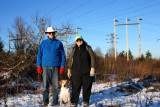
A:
{"points": [[115, 54], [139, 39], [77, 30], [66, 42], [65, 33], [127, 34], [12, 40], [127, 39]]}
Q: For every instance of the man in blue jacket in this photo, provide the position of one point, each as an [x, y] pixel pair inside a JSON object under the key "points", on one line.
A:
{"points": [[50, 61]]}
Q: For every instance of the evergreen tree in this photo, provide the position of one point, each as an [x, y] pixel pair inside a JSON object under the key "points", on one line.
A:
{"points": [[121, 54], [1, 45], [130, 55], [148, 55]]}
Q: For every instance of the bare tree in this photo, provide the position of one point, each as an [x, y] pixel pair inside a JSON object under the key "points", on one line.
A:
{"points": [[98, 52], [110, 52]]}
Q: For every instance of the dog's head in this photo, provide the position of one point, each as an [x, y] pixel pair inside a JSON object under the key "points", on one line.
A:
{"points": [[64, 83]]}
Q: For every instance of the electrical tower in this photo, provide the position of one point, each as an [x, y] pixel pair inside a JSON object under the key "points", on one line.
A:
{"points": [[111, 39], [127, 35]]}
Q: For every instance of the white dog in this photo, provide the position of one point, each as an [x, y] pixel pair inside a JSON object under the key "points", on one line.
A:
{"points": [[65, 92]]}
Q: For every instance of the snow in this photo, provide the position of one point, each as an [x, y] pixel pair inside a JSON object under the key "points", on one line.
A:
{"points": [[103, 94], [5, 75]]}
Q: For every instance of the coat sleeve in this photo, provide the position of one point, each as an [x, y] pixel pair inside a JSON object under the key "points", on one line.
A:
{"points": [[63, 56], [92, 57], [70, 59], [39, 56]]}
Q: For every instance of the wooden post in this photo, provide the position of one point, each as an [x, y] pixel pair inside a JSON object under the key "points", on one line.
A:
{"points": [[77, 30], [127, 40], [127, 35], [66, 42], [115, 40], [139, 39]]}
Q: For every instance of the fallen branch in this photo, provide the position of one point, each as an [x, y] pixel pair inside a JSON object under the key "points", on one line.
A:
{"points": [[14, 66]]}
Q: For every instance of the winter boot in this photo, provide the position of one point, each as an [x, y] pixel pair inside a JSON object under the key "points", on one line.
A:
{"points": [[85, 104]]}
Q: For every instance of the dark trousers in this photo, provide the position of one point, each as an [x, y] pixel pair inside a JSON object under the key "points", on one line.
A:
{"points": [[81, 80]]}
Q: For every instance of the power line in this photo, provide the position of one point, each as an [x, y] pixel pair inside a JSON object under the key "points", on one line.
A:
{"points": [[93, 30], [142, 8], [81, 5], [122, 10], [93, 10], [151, 23], [127, 12], [151, 30], [147, 13], [126, 9], [63, 2]]}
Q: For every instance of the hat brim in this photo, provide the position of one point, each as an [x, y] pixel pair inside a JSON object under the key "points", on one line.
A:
{"points": [[79, 39], [50, 32]]}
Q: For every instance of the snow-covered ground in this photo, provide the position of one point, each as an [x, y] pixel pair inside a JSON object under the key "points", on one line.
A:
{"points": [[103, 94]]}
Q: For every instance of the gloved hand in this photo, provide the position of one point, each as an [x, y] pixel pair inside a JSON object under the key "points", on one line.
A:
{"points": [[61, 70], [92, 72], [69, 73], [39, 69]]}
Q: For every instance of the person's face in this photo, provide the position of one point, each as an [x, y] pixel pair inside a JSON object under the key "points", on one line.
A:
{"points": [[51, 34], [79, 42]]}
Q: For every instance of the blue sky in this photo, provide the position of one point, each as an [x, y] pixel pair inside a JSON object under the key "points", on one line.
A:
{"points": [[95, 18]]}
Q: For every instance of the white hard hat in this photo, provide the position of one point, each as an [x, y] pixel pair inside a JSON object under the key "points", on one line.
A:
{"points": [[50, 29]]}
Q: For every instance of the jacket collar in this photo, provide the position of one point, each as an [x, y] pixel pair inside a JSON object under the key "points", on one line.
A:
{"points": [[51, 39]]}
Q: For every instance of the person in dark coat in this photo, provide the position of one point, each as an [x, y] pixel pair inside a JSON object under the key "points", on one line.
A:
{"points": [[81, 69]]}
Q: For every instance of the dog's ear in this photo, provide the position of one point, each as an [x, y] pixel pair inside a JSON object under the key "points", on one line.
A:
{"points": [[68, 82], [60, 82]]}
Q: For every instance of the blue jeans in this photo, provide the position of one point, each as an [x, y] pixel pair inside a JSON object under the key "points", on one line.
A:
{"points": [[50, 75]]}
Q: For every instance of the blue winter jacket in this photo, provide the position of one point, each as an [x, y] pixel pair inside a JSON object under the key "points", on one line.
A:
{"points": [[51, 53]]}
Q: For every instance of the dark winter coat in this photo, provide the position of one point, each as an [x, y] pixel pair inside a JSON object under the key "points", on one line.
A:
{"points": [[81, 60]]}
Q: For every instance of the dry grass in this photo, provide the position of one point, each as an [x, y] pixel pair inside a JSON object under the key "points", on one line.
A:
{"points": [[126, 70]]}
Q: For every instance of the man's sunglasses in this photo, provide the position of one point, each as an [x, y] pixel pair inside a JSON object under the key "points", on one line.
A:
{"points": [[78, 40], [50, 32]]}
